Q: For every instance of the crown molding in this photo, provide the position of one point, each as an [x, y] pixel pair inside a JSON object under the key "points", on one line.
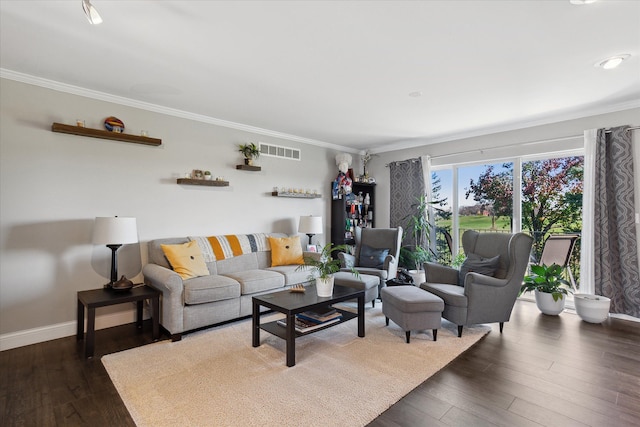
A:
{"points": [[129, 102]]}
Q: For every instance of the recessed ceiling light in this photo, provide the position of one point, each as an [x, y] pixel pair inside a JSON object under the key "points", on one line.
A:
{"points": [[578, 2], [612, 62], [416, 94]]}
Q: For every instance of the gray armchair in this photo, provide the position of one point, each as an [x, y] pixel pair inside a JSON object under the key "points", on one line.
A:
{"points": [[376, 253], [472, 297]]}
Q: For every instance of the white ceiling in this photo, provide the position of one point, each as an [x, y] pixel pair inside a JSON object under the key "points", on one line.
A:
{"points": [[338, 72]]}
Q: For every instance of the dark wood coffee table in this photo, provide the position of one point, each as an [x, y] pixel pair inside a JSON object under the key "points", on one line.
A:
{"points": [[292, 303]]}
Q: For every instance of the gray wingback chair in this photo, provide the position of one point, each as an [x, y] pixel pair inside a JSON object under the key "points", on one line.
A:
{"points": [[473, 297], [376, 253]]}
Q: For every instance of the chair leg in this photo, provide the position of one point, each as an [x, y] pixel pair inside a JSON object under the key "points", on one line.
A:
{"points": [[459, 331], [373, 303], [408, 333], [386, 320], [435, 334], [501, 326]]}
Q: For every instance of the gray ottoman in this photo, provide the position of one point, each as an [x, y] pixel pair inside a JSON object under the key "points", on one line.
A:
{"points": [[412, 309], [364, 282]]}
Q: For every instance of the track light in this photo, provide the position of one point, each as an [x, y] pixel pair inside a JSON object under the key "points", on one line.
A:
{"points": [[92, 14]]}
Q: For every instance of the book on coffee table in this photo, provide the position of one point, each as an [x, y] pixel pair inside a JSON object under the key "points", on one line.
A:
{"points": [[305, 326], [316, 318]]}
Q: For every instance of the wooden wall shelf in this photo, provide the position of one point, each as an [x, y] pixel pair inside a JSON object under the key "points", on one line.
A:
{"points": [[103, 134], [248, 168], [296, 195], [205, 182]]}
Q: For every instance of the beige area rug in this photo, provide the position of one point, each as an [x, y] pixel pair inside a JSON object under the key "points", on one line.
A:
{"points": [[216, 378]]}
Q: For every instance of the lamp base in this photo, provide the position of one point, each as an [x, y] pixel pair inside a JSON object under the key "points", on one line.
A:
{"points": [[123, 284]]}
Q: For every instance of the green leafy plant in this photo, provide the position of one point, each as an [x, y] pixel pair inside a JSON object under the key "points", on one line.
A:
{"points": [[458, 260], [323, 263], [547, 279], [249, 151], [418, 227]]}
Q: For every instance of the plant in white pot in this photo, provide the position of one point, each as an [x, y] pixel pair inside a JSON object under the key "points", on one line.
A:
{"points": [[323, 266], [548, 284]]}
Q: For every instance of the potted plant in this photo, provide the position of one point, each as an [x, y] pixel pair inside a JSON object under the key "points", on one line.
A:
{"points": [[207, 175], [250, 152], [547, 282], [323, 266], [412, 257]]}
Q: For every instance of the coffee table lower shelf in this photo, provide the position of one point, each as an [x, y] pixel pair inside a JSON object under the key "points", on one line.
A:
{"points": [[280, 331]]}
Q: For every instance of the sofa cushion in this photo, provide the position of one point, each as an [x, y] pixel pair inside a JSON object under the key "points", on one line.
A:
{"points": [[252, 281], [293, 274], [201, 290], [186, 259], [286, 251], [477, 264], [372, 257]]}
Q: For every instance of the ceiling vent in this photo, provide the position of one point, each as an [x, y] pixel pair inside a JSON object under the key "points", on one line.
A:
{"points": [[279, 151]]}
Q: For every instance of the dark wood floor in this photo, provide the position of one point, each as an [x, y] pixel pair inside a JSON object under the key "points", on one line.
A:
{"points": [[549, 371]]}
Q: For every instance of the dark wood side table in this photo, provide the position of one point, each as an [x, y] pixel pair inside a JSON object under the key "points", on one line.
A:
{"points": [[102, 297]]}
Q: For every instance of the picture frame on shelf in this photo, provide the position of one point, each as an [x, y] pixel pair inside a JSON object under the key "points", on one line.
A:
{"points": [[312, 248]]}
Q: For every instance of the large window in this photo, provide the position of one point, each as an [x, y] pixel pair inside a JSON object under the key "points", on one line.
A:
{"points": [[481, 197]]}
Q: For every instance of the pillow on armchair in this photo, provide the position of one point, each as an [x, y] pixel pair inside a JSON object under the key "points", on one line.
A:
{"points": [[477, 264], [372, 257]]}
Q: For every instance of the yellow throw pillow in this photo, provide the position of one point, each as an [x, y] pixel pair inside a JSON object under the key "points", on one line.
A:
{"points": [[285, 251], [186, 259]]}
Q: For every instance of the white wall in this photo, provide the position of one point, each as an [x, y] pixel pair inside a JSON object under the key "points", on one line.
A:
{"points": [[53, 185]]}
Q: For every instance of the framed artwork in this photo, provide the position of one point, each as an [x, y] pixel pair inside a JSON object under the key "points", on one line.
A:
{"points": [[312, 248]]}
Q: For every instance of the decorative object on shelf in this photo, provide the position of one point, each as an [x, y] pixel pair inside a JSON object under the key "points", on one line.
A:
{"points": [[343, 183], [114, 124], [80, 123], [114, 232], [250, 152], [104, 134], [310, 225], [197, 174], [207, 175], [547, 282], [366, 158], [300, 194], [323, 267], [592, 308], [218, 182]]}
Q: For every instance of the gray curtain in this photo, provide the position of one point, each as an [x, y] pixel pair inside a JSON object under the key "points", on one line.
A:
{"points": [[616, 270], [406, 185]]}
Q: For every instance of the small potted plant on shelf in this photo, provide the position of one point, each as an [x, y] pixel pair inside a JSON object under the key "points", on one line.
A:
{"points": [[323, 266], [548, 284], [250, 152], [207, 175]]}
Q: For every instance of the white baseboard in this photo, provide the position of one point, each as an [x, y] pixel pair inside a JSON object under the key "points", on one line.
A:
{"points": [[66, 329]]}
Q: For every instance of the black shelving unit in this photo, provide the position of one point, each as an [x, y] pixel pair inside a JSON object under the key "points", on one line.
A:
{"points": [[344, 218]]}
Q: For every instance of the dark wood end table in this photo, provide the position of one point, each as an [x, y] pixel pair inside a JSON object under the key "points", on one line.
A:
{"points": [[104, 297], [291, 303]]}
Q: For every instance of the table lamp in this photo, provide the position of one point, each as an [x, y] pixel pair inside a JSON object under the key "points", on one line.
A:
{"points": [[310, 225], [114, 232]]}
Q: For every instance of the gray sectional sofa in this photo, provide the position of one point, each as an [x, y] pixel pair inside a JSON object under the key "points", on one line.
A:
{"points": [[225, 294]]}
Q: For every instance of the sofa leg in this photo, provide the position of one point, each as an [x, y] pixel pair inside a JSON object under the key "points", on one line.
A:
{"points": [[501, 326], [176, 337], [459, 331], [386, 320], [435, 334], [408, 334]]}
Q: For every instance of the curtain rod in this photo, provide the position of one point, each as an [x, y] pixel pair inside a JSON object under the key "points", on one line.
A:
{"points": [[513, 145]]}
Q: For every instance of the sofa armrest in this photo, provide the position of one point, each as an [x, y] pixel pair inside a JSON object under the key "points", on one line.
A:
{"points": [[391, 265], [171, 285], [346, 260], [436, 273]]}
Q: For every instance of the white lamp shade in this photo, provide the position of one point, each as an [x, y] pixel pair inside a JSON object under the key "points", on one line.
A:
{"points": [[115, 231], [310, 225]]}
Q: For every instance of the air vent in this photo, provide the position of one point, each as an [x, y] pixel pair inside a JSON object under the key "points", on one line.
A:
{"points": [[279, 151]]}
